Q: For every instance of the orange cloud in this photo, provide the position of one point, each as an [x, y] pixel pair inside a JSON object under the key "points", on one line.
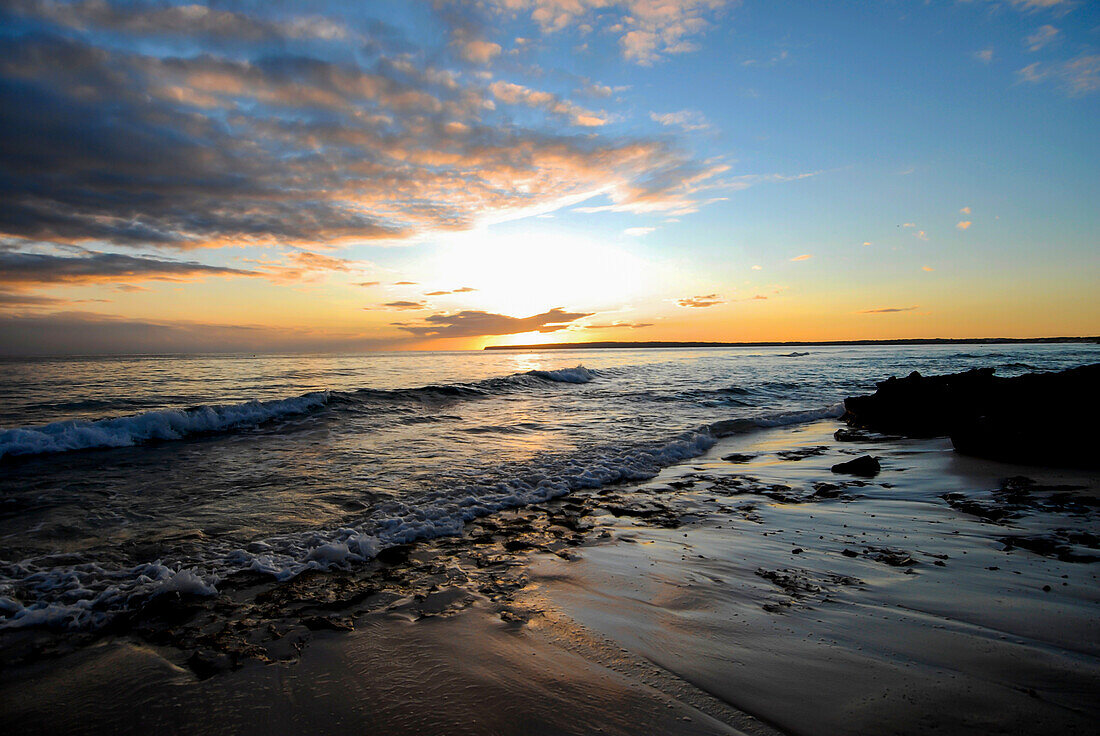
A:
{"points": [[706, 300], [888, 310]]}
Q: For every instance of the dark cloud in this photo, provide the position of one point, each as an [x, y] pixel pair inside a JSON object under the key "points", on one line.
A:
{"points": [[402, 305], [83, 333], [368, 283], [26, 269], [470, 323], [28, 300], [277, 143], [158, 19], [886, 310], [706, 300]]}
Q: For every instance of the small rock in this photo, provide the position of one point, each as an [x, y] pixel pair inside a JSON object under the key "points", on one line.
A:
{"points": [[866, 466]]}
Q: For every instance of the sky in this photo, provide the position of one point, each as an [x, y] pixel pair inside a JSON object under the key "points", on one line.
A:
{"points": [[276, 176]]}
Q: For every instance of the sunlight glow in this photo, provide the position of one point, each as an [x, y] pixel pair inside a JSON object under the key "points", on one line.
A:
{"points": [[520, 275]]}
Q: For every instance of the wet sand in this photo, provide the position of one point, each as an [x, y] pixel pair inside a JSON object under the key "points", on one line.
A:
{"points": [[759, 594]]}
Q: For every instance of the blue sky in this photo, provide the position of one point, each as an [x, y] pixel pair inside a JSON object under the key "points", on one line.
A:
{"points": [[271, 175]]}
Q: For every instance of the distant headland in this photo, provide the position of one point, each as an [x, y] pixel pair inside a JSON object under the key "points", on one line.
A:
{"points": [[796, 344]]}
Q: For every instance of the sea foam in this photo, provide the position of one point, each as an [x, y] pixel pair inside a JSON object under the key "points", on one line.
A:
{"points": [[170, 424]]}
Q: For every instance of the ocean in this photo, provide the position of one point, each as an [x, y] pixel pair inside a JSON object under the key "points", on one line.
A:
{"points": [[125, 477]]}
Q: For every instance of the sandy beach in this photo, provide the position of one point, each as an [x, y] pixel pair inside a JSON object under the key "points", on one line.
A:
{"points": [[761, 593]]}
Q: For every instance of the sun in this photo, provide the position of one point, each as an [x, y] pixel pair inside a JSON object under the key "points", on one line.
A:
{"points": [[529, 273]]}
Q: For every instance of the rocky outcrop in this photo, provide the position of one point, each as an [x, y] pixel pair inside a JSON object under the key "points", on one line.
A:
{"points": [[1038, 418]]}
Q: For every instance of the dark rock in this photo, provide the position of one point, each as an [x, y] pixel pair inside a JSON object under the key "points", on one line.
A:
{"points": [[827, 490], [866, 466], [849, 553], [207, 664], [1038, 418], [802, 453], [327, 623], [892, 557], [738, 457], [394, 555], [851, 435]]}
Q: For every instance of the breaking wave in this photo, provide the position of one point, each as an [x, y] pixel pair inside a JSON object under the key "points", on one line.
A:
{"points": [[170, 424], [87, 595], [175, 424]]}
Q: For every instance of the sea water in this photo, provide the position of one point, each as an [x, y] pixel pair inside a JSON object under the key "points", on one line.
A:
{"points": [[125, 477]]}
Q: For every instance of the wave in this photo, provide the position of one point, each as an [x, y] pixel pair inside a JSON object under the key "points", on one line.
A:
{"points": [[728, 427], [580, 374], [170, 424], [88, 596], [175, 424]]}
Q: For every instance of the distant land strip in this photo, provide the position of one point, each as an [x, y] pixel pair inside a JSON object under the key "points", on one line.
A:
{"points": [[830, 343]]}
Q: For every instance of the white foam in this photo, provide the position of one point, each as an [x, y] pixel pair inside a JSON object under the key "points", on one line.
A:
{"points": [[87, 596], [172, 424]]}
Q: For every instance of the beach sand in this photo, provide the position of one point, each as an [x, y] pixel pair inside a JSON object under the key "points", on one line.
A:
{"points": [[722, 596]]}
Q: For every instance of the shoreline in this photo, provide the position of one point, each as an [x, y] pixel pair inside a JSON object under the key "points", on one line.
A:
{"points": [[601, 345], [678, 602]]}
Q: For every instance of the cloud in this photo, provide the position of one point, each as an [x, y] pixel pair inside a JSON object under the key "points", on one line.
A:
{"points": [[688, 120], [471, 323], [921, 235], [178, 20], [402, 305], [288, 144], [404, 283], [624, 325], [887, 310], [84, 333], [462, 290], [1076, 77], [368, 284], [964, 224], [517, 94], [756, 268], [647, 30], [478, 51], [28, 300], [705, 300], [1039, 4], [637, 232], [23, 269], [1043, 35], [307, 266], [803, 257], [985, 55], [909, 224], [965, 211], [927, 268]]}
